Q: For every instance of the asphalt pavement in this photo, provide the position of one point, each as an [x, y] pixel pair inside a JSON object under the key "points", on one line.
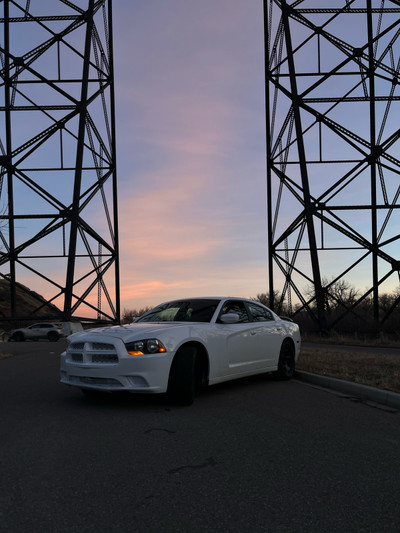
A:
{"points": [[255, 455]]}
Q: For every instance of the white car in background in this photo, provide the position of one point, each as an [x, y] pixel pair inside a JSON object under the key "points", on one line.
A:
{"points": [[43, 330], [182, 345]]}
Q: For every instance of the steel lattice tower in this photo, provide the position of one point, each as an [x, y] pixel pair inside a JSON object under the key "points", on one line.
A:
{"points": [[57, 153], [333, 166]]}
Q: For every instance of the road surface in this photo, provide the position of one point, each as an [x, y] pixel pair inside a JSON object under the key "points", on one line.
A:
{"points": [[252, 456]]}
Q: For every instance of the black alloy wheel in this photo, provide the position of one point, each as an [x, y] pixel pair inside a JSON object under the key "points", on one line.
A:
{"points": [[287, 363]]}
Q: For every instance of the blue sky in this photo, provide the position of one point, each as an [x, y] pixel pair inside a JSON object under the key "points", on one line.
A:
{"points": [[189, 81]]}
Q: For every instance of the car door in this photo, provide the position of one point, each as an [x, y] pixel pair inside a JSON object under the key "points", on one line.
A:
{"points": [[35, 331], [268, 335], [243, 348]]}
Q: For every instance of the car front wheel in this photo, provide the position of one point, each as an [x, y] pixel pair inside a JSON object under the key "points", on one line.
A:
{"points": [[287, 362], [182, 379]]}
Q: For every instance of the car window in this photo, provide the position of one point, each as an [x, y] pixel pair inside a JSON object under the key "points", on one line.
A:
{"points": [[234, 306], [199, 310], [259, 314]]}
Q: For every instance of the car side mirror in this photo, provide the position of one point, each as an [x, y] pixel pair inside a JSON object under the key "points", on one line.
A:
{"points": [[230, 318]]}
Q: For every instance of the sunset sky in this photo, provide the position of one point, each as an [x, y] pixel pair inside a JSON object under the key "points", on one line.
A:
{"points": [[189, 79], [191, 151]]}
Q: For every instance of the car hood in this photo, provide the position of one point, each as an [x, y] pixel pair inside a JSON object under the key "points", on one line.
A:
{"points": [[132, 331]]}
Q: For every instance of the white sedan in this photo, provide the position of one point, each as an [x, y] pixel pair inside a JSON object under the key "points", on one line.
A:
{"points": [[182, 345]]}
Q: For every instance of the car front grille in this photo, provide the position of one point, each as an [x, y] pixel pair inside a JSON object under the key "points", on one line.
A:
{"points": [[92, 353], [104, 358], [76, 357], [102, 346], [77, 346], [86, 380]]}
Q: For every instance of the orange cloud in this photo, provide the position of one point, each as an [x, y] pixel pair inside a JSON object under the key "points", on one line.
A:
{"points": [[190, 185], [233, 282]]}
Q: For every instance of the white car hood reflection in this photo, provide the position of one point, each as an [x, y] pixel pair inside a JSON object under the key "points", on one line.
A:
{"points": [[135, 331]]}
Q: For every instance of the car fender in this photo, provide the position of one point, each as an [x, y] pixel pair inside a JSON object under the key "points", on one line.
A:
{"points": [[200, 342]]}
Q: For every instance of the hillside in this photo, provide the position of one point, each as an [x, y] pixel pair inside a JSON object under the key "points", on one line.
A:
{"points": [[30, 305]]}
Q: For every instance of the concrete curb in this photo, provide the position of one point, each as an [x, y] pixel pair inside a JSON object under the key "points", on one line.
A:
{"points": [[391, 399]]}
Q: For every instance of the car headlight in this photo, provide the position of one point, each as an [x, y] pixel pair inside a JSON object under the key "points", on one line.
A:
{"points": [[146, 346]]}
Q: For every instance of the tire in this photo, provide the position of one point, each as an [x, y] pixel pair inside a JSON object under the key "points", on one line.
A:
{"points": [[18, 336], [287, 362], [182, 378], [53, 336]]}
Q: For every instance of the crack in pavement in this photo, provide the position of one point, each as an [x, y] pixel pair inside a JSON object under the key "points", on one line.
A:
{"points": [[209, 462]]}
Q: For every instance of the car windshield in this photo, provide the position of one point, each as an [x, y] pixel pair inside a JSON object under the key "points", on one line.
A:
{"points": [[201, 310]]}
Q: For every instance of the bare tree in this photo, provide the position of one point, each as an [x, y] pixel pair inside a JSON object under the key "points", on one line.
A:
{"points": [[339, 293], [129, 315]]}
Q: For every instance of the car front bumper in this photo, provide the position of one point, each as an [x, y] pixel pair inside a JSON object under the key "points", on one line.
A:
{"points": [[106, 366]]}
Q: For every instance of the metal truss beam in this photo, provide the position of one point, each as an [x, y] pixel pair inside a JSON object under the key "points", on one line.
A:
{"points": [[58, 188], [333, 166]]}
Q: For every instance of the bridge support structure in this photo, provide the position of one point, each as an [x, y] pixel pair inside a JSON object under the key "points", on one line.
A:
{"points": [[333, 166], [58, 188]]}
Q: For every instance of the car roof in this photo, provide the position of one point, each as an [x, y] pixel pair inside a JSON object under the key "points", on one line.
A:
{"points": [[219, 298]]}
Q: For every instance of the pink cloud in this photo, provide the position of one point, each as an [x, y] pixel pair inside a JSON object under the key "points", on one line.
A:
{"points": [[190, 186]]}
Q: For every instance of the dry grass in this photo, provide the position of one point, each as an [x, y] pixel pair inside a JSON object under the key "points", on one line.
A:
{"points": [[376, 370]]}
